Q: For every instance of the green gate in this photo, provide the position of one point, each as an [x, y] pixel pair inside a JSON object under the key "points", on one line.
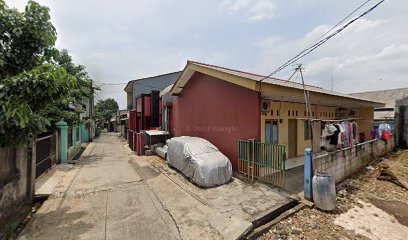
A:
{"points": [[265, 162]]}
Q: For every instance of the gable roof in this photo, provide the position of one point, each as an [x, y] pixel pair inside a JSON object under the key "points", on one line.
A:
{"points": [[388, 96], [250, 80], [128, 85]]}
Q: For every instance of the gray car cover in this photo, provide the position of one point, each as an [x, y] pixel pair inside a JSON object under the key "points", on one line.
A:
{"points": [[199, 160]]}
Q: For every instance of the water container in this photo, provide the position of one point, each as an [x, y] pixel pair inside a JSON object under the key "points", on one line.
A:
{"points": [[324, 191]]}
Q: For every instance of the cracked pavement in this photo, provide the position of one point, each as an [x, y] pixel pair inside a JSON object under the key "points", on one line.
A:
{"points": [[113, 194], [101, 197]]}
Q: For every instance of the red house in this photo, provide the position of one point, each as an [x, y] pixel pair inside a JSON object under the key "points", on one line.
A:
{"points": [[224, 106]]}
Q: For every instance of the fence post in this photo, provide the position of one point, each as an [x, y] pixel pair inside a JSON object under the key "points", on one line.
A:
{"points": [[252, 159], [308, 175], [31, 170], [63, 127], [74, 138]]}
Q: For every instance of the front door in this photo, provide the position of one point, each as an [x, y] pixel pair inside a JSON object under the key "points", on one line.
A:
{"points": [[271, 131], [292, 143]]}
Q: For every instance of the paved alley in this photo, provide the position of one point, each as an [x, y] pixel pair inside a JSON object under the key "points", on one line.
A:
{"points": [[101, 197], [113, 194]]}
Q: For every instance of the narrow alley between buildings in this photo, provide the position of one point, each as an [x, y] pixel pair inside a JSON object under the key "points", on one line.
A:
{"points": [[113, 194], [101, 197]]}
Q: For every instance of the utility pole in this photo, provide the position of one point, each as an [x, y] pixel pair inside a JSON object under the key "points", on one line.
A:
{"points": [[309, 152], [308, 106]]}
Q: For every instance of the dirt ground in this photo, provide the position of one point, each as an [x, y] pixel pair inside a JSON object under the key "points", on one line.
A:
{"points": [[358, 192]]}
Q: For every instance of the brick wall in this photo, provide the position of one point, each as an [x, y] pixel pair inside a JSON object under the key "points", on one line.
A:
{"points": [[343, 163]]}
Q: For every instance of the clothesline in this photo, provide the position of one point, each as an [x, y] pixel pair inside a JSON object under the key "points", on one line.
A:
{"points": [[341, 120], [330, 120], [339, 135]]}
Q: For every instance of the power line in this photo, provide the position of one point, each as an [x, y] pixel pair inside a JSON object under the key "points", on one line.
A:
{"points": [[319, 43], [141, 84], [344, 19], [113, 84]]}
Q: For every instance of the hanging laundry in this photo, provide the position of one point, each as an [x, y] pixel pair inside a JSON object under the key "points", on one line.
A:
{"points": [[356, 135], [351, 139], [340, 139], [384, 131], [346, 134], [374, 133], [327, 132]]}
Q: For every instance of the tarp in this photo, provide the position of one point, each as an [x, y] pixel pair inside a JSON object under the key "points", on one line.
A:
{"points": [[199, 160]]}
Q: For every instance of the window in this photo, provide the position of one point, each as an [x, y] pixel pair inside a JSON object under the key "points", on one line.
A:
{"points": [[277, 112], [307, 131], [288, 113], [271, 131], [271, 112]]}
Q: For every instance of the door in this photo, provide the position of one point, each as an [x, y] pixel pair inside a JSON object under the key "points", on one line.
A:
{"points": [[292, 144], [271, 131]]}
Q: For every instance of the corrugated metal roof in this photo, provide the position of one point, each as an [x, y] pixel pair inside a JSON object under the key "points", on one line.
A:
{"points": [[388, 96], [152, 77], [384, 115], [279, 82]]}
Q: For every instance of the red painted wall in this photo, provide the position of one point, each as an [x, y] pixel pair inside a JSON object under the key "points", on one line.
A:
{"points": [[147, 108], [218, 111], [139, 105]]}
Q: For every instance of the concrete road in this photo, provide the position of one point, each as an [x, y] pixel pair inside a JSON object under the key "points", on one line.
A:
{"points": [[113, 194], [101, 197]]}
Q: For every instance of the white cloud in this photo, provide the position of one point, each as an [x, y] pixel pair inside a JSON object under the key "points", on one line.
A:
{"points": [[369, 50], [253, 10], [118, 42], [262, 10]]}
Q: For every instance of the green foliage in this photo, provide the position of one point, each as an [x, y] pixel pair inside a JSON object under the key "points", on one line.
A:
{"points": [[104, 109], [26, 39], [24, 97], [9, 231], [38, 84], [61, 108]]}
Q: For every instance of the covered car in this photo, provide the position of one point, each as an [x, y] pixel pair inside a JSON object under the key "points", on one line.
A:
{"points": [[199, 160]]}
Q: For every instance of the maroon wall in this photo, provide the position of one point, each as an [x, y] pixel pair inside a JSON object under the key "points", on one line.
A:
{"points": [[218, 111]]}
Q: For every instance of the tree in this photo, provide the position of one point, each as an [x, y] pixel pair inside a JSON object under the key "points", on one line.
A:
{"points": [[85, 90], [37, 82], [26, 39], [104, 109], [24, 97]]}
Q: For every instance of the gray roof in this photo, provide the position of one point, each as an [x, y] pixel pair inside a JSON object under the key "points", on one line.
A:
{"points": [[147, 85], [151, 82], [384, 115], [388, 96]]}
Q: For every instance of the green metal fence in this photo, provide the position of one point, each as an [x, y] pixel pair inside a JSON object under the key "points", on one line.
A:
{"points": [[265, 162]]}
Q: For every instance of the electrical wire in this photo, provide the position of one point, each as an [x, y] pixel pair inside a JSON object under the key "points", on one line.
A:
{"points": [[141, 84], [291, 75], [319, 43], [337, 24]]}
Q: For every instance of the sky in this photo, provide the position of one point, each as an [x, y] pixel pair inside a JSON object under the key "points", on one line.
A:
{"points": [[119, 41]]}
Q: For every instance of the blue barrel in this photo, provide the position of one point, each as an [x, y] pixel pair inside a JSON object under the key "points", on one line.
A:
{"points": [[324, 191]]}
